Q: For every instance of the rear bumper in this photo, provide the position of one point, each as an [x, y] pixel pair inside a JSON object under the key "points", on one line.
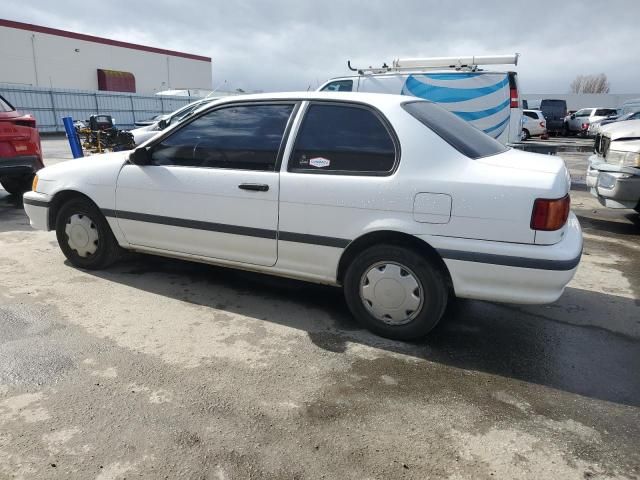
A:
{"points": [[513, 273], [22, 165], [36, 205]]}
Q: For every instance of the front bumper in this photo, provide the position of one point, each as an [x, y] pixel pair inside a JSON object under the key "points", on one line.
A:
{"points": [[618, 190], [36, 205], [513, 273], [613, 189], [22, 165]]}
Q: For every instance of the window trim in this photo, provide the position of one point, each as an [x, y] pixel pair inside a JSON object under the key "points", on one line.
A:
{"points": [[283, 141], [342, 103]]}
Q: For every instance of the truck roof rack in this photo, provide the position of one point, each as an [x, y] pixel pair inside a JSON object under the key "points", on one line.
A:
{"points": [[457, 63]]}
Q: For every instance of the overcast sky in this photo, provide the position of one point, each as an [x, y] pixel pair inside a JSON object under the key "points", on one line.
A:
{"points": [[295, 44]]}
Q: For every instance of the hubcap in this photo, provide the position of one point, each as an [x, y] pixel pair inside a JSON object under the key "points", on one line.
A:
{"points": [[82, 235], [391, 292]]}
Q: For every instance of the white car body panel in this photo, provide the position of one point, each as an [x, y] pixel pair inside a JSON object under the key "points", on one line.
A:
{"points": [[534, 125], [189, 193], [316, 217]]}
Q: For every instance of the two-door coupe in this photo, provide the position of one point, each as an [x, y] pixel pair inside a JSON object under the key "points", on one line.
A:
{"points": [[398, 201]]}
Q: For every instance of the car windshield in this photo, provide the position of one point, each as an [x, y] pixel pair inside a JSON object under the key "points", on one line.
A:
{"points": [[461, 135]]}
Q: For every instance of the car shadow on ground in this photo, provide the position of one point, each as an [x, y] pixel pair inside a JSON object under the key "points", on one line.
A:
{"points": [[531, 344], [611, 225], [12, 216]]}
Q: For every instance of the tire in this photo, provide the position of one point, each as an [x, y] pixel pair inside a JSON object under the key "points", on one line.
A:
{"points": [[525, 134], [100, 248], [17, 185], [399, 267]]}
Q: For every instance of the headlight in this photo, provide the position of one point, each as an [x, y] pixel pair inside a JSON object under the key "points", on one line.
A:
{"points": [[624, 159]]}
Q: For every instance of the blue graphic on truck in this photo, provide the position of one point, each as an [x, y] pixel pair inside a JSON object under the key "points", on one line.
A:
{"points": [[479, 98]]}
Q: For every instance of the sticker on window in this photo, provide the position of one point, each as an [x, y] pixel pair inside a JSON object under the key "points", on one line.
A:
{"points": [[319, 162]]}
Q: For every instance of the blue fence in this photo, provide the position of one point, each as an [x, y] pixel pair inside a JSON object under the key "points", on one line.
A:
{"points": [[49, 105]]}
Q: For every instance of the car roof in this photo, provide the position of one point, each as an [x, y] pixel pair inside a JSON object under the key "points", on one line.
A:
{"points": [[532, 110]]}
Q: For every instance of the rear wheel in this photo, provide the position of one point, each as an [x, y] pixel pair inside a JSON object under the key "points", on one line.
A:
{"points": [[84, 235], [17, 185], [395, 292], [525, 134]]}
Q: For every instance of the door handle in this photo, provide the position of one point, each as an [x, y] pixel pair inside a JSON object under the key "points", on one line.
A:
{"points": [[256, 187]]}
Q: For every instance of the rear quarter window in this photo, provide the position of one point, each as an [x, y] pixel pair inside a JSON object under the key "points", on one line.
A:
{"points": [[458, 133]]}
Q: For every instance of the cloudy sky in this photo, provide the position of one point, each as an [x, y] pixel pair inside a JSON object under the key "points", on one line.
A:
{"points": [[296, 44]]}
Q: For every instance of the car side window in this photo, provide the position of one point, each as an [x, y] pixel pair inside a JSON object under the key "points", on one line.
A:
{"points": [[244, 137], [531, 115], [343, 139], [583, 113], [339, 86]]}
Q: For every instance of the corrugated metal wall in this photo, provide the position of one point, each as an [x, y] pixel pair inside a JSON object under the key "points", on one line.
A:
{"points": [[49, 105]]}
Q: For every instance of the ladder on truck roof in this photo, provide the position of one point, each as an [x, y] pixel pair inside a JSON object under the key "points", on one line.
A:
{"points": [[457, 63]]}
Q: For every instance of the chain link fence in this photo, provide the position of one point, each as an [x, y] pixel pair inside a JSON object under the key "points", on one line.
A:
{"points": [[49, 105]]}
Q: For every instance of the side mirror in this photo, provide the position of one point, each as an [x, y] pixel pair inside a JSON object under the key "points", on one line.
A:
{"points": [[573, 116], [162, 124], [140, 156]]}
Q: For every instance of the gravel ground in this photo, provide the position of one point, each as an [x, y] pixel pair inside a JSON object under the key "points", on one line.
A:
{"points": [[158, 368]]}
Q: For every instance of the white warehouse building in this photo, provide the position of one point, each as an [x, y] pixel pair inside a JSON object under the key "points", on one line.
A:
{"points": [[48, 57]]}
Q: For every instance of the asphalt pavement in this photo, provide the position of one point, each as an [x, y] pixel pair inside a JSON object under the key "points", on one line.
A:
{"points": [[158, 368]]}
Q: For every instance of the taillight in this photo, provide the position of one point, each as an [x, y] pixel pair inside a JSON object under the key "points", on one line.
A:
{"points": [[549, 215], [513, 90], [585, 126], [542, 124], [25, 121]]}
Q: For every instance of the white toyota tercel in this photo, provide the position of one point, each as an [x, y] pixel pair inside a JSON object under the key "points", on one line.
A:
{"points": [[398, 201]]}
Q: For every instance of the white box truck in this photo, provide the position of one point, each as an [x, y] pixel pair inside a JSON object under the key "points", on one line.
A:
{"points": [[487, 99]]}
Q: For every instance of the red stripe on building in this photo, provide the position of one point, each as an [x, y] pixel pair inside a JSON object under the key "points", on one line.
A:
{"points": [[90, 38]]}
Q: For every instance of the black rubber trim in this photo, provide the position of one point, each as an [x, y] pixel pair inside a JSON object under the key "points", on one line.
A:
{"points": [[511, 261], [232, 229], [313, 239], [36, 203], [488, 258], [195, 224]]}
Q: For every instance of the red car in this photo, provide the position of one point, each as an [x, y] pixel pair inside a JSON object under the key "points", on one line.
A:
{"points": [[20, 150]]}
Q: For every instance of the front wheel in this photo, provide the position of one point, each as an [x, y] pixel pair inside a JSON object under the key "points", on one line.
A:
{"points": [[395, 292], [84, 235]]}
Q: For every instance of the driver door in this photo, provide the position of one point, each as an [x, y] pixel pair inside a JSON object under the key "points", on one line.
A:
{"points": [[212, 188]]}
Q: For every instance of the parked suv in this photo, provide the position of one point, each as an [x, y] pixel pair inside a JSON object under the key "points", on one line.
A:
{"points": [[613, 174], [579, 122], [20, 151], [533, 124]]}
